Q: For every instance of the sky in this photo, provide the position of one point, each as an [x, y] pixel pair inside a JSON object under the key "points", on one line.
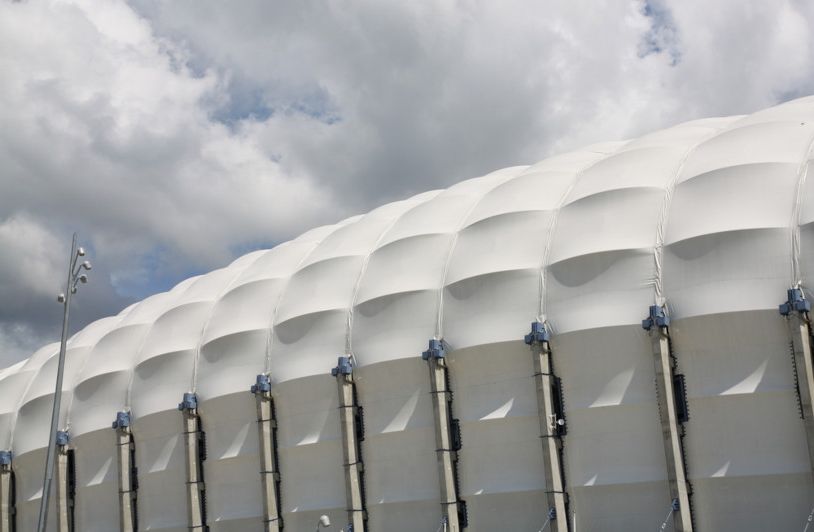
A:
{"points": [[176, 136]]}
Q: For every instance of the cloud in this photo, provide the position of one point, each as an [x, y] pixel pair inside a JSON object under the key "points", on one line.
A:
{"points": [[106, 131], [175, 135], [663, 35], [33, 270]]}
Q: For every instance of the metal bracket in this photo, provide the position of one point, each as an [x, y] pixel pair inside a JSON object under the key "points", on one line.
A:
{"points": [[344, 366], [122, 420], [190, 402], [5, 458], [437, 350], [656, 317], [795, 301], [262, 384], [63, 438], [538, 334]]}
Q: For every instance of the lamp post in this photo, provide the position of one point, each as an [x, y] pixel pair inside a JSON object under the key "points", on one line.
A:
{"points": [[75, 276]]}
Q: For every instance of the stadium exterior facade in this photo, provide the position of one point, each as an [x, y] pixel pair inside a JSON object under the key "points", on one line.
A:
{"points": [[707, 224]]}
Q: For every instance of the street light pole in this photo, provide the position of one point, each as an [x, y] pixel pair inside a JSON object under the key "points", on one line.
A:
{"points": [[74, 277]]}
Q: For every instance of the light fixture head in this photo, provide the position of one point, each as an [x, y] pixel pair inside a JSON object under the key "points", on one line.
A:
{"points": [[83, 278], [61, 298], [87, 265], [324, 520], [80, 252]]}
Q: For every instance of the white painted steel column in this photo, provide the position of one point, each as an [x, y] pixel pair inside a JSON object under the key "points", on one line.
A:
{"points": [[127, 480], [670, 394], [453, 509], [196, 488], [350, 424], [64, 484], [796, 310], [269, 470], [6, 492], [552, 426]]}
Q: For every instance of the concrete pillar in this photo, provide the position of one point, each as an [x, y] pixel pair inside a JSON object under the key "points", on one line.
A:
{"points": [[6, 493], [269, 471], [453, 509], [672, 419], [64, 488], [552, 427], [196, 488], [349, 423], [797, 311], [126, 482]]}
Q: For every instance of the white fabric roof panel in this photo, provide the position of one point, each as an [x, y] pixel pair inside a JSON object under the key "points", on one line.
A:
{"points": [[705, 215]]}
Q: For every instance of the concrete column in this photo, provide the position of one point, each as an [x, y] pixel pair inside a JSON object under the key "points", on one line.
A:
{"points": [[797, 311], [671, 422], [269, 472], [349, 419], [64, 484], [453, 509], [6, 492], [552, 427], [196, 489], [126, 482]]}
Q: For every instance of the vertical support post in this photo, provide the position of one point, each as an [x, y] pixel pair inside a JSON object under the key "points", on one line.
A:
{"points": [[447, 438], [673, 413], [351, 425], [64, 483], [7, 494], [194, 449], [552, 426], [797, 309], [269, 472], [128, 483]]}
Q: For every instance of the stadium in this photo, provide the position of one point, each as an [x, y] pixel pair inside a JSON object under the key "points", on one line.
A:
{"points": [[613, 339]]}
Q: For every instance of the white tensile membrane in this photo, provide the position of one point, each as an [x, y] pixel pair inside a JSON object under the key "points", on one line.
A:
{"points": [[714, 217]]}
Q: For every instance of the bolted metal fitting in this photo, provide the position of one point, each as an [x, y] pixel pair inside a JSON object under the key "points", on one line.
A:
{"points": [[657, 317], [262, 385], [437, 349], [795, 301], [344, 366], [63, 438], [538, 333], [190, 402], [122, 420]]}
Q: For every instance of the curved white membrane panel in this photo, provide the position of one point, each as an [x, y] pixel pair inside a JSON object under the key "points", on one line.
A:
{"points": [[31, 431], [704, 215], [29, 466], [727, 255]]}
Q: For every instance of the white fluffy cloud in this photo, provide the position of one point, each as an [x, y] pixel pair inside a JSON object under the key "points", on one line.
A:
{"points": [[175, 135]]}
